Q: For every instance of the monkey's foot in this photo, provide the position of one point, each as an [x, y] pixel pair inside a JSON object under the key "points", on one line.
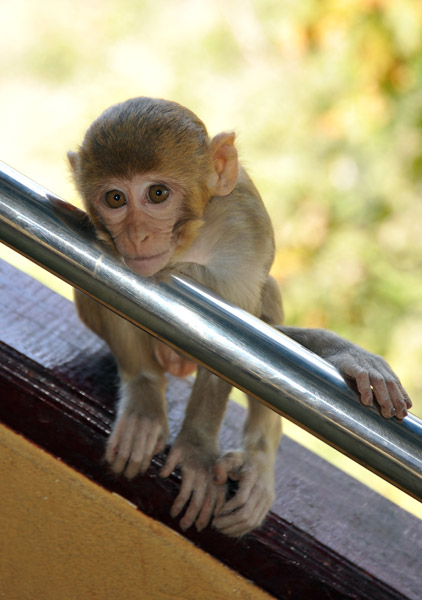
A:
{"points": [[172, 362], [134, 441], [197, 491], [247, 509]]}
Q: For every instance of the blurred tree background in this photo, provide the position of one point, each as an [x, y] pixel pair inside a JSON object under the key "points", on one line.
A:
{"points": [[326, 99]]}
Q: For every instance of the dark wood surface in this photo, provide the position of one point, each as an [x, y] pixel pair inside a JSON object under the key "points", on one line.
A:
{"points": [[327, 538]]}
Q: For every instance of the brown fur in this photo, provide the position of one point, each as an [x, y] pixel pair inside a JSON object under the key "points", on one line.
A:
{"points": [[222, 237], [214, 228], [139, 136]]}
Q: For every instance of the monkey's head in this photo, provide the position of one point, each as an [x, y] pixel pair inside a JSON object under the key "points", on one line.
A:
{"points": [[146, 170]]}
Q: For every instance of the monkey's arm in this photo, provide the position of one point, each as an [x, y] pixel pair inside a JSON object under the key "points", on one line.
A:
{"points": [[369, 373], [141, 427]]}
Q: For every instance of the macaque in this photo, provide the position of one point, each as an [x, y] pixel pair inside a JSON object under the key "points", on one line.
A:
{"points": [[168, 199]]}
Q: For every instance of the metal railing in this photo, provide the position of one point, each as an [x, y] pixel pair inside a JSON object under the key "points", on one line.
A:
{"points": [[237, 346]]}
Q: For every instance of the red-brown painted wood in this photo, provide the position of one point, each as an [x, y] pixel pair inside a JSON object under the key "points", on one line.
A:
{"points": [[328, 537]]}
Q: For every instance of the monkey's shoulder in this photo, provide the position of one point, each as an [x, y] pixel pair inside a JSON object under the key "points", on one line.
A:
{"points": [[230, 230]]}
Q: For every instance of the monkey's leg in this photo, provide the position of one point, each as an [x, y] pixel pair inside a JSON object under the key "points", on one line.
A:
{"points": [[253, 469], [253, 465], [196, 449]]}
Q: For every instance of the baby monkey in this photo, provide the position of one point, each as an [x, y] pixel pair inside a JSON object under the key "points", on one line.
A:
{"points": [[168, 199]]}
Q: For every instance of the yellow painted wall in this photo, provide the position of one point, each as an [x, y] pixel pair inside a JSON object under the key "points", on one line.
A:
{"points": [[63, 537]]}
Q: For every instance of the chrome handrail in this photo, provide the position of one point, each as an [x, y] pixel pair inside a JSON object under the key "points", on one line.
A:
{"points": [[250, 354]]}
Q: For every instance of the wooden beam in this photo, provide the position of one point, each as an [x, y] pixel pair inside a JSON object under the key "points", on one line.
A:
{"points": [[328, 537]]}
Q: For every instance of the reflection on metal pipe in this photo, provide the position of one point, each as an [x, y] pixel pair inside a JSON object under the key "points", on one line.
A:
{"points": [[250, 354]]}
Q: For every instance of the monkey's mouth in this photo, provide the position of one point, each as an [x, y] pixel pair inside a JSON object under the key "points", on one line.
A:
{"points": [[148, 265]]}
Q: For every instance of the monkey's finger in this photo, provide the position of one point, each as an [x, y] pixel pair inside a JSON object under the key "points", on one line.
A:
{"points": [[114, 439], [397, 399], [196, 503], [155, 443], [248, 517], [363, 384], [406, 397], [242, 526], [208, 507], [382, 395], [137, 455], [125, 444], [398, 394], [228, 465], [221, 499], [183, 495], [171, 463], [242, 495], [160, 445], [240, 521], [144, 444]]}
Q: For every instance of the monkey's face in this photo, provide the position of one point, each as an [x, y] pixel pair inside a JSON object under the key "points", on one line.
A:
{"points": [[141, 216], [146, 171]]}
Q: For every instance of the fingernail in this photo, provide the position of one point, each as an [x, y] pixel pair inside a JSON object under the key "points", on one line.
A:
{"points": [[184, 527]]}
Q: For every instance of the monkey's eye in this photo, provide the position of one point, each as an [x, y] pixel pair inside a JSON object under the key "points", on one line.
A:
{"points": [[158, 193], [115, 199]]}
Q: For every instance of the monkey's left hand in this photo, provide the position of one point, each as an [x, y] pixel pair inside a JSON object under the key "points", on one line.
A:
{"points": [[197, 489], [373, 378], [254, 473], [369, 373]]}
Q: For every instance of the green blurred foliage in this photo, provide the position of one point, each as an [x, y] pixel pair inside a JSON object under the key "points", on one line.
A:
{"points": [[326, 99]]}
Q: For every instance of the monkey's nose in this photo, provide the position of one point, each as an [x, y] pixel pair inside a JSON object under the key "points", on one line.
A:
{"points": [[137, 239]]}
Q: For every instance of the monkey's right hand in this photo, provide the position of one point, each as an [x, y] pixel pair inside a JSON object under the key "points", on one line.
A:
{"points": [[135, 439], [197, 491]]}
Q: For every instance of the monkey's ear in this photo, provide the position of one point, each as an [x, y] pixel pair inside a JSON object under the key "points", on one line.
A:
{"points": [[226, 165], [73, 159]]}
